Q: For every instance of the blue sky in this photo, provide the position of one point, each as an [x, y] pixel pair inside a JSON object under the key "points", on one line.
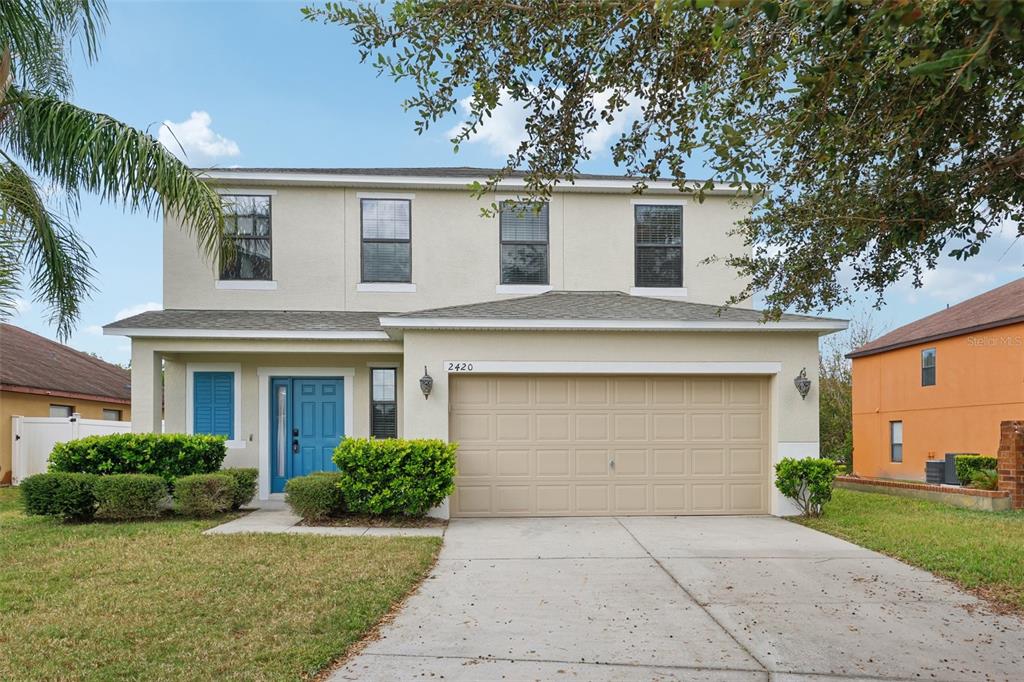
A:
{"points": [[252, 84]]}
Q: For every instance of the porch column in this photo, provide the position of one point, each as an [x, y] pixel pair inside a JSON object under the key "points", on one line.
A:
{"points": [[147, 388]]}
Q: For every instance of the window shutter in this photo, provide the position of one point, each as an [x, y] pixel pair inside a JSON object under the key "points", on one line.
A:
{"points": [[214, 403]]}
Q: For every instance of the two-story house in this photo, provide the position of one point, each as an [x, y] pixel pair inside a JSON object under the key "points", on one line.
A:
{"points": [[576, 352], [942, 384]]}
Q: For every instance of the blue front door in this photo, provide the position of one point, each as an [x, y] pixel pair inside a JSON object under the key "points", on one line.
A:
{"points": [[307, 422]]}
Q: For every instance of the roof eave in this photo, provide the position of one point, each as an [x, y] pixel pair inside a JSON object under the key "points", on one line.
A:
{"points": [[625, 185], [136, 332], [934, 337], [822, 326]]}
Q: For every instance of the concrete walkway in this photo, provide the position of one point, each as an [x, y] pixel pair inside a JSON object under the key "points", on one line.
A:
{"points": [[281, 520], [694, 598]]}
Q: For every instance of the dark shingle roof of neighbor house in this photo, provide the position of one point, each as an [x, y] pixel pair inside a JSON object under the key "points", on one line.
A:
{"points": [[426, 172], [253, 320], [1002, 306], [30, 361], [598, 305]]}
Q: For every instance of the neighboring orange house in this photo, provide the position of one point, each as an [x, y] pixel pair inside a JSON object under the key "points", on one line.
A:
{"points": [[941, 384], [42, 378]]}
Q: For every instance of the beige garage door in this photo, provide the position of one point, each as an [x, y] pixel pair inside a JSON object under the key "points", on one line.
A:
{"points": [[590, 446]]}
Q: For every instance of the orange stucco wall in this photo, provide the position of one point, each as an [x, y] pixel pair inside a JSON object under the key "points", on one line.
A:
{"points": [[35, 405], [979, 382]]}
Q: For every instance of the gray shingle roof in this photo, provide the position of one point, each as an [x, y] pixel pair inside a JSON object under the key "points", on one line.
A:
{"points": [[467, 172], [599, 305], [253, 320]]}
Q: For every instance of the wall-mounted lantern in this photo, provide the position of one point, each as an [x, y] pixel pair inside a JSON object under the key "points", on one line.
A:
{"points": [[426, 383], [803, 384]]}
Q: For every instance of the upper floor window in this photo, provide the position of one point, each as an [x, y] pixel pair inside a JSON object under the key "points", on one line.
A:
{"points": [[524, 242], [387, 240], [928, 367], [896, 441], [383, 403], [247, 227], [659, 245]]}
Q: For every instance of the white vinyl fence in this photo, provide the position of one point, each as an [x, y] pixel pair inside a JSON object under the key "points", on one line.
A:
{"points": [[34, 437]]}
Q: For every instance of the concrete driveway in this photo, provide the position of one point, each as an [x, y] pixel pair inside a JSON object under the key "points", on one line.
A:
{"points": [[690, 598]]}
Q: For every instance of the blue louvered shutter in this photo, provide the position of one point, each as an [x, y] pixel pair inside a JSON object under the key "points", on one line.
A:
{"points": [[214, 403]]}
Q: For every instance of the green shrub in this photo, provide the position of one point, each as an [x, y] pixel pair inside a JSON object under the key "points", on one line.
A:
{"points": [[808, 482], [244, 485], [315, 497], [985, 479], [394, 475], [966, 465], [204, 494], [123, 497], [168, 455], [66, 496]]}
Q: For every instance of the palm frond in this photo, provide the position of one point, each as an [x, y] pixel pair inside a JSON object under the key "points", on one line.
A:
{"points": [[80, 150], [38, 33], [36, 238]]}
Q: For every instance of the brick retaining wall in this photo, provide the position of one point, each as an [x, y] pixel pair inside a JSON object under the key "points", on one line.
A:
{"points": [[1010, 463]]}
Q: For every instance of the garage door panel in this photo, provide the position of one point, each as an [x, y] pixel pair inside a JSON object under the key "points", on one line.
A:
{"points": [[553, 427], [544, 445], [553, 463]]}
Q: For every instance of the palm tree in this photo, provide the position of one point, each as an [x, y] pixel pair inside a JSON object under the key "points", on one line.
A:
{"points": [[51, 148]]}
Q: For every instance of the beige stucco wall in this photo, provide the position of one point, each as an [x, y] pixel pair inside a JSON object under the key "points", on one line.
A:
{"points": [[35, 405], [794, 421], [316, 251]]}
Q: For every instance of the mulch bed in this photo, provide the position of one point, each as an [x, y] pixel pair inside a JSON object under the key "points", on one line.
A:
{"points": [[359, 520]]}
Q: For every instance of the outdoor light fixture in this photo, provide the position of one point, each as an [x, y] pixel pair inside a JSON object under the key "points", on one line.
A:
{"points": [[803, 384], [426, 383]]}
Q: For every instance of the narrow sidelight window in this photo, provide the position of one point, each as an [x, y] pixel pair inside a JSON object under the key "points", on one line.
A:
{"points": [[928, 367], [387, 240], [383, 403], [896, 441], [524, 242], [659, 245], [247, 228]]}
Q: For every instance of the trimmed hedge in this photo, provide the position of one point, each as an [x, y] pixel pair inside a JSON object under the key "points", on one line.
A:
{"points": [[395, 475], [66, 496], [123, 497], [967, 465], [244, 485], [204, 494], [168, 455], [315, 497], [808, 482]]}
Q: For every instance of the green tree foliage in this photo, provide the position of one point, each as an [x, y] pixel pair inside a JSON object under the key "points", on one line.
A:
{"points": [[887, 133], [45, 141], [835, 390]]}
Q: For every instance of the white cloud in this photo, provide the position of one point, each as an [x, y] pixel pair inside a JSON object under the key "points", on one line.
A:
{"points": [[193, 140], [94, 329], [136, 309], [506, 127], [21, 306]]}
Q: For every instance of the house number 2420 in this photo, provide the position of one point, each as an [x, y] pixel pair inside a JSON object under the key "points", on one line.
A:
{"points": [[460, 367]]}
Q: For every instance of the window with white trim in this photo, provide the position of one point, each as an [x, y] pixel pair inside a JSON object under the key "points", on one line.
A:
{"points": [[247, 228], [387, 240], [896, 442], [659, 245], [523, 228], [928, 367]]}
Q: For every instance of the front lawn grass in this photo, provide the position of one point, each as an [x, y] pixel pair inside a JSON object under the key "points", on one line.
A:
{"points": [[158, 600], [980, 551]]}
